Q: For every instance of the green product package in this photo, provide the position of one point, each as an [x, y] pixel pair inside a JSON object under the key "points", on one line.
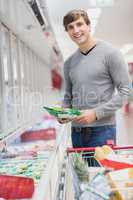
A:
{"points": [[62, 113]]}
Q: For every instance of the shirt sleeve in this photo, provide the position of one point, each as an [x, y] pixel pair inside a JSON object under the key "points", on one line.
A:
{"points": [[119, 74], [68, 87]]}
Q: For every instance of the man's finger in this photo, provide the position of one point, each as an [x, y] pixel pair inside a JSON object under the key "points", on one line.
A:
{"points": [[62, 121]]}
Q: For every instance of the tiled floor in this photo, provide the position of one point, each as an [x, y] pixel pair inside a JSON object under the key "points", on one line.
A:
{"points": [[125, 128]]}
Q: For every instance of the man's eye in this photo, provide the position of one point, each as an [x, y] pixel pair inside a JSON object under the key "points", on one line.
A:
{"points": [[70, 27], [79, 24]]}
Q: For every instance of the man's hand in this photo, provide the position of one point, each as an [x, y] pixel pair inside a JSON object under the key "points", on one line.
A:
{"points": [[86, 117], [63, 121]]}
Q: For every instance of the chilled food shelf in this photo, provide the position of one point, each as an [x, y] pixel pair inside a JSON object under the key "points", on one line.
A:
{"points": [[39, 159]]}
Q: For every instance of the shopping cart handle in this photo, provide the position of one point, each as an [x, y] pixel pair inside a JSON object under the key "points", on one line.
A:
{"points": [[92, 149], [71, 149]]}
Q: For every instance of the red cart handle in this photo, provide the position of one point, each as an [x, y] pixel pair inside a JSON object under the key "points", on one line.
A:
{"points": [[89, 149], [71, 149]]}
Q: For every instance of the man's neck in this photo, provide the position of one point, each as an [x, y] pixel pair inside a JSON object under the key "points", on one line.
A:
{"points": [[87, 45]]}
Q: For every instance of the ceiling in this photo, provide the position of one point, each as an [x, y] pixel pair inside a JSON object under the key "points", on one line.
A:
{"points": [[114, 24], [19, 18]]}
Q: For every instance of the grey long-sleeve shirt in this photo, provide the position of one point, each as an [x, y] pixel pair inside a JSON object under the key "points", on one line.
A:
{"points": [[91, 81]]}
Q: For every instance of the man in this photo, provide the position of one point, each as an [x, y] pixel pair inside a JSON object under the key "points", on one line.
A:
{"points": [[92, 75]]}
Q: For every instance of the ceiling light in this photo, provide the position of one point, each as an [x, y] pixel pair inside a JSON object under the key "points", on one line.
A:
{"points": [[101, 3]]}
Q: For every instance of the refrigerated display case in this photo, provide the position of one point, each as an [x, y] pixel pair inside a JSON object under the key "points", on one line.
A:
{"points": [[45, 168], [25, 77]]}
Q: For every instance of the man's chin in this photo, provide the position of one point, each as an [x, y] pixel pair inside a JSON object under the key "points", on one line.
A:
{"points": [[79, 42]]}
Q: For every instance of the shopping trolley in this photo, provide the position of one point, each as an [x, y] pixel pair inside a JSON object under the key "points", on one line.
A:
{"points": [[124, 191]]}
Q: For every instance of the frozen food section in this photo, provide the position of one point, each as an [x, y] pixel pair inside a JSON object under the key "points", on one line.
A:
{"points": [[37, 154], [32, 144]]}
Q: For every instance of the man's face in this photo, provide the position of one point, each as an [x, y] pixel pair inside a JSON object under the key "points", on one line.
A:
{"points": [[78, 31]]}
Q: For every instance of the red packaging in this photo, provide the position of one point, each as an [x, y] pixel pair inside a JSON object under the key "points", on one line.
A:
{"points": [[115, 165], [15, 187], [43, 134]]}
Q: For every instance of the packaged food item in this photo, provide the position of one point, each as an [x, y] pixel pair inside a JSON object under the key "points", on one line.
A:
{"points": [[63, 113], [97, 189], [43, 134], [81, 167], [93, 171], [107, 158], [99, 154], [15, 187], [107, 150], [121, 182]]}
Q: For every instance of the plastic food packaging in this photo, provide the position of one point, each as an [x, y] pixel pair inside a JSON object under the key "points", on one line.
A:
{"points": [[15, 187], [97, 189], [121, 181], [63, 113], [43, 134], [107, 158]]}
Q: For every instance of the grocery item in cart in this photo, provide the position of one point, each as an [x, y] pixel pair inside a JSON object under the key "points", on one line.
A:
{"points": [[103, 152], [90, 184], [109, 159], [97, 189], [80, 166], [121, 182], [14, 187], [63, 113]]}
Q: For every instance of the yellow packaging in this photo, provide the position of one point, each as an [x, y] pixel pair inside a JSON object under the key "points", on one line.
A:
{"points": [[121, 182]]}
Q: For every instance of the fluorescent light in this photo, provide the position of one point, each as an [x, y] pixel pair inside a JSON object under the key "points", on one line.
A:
{"points": [[101, 3]]}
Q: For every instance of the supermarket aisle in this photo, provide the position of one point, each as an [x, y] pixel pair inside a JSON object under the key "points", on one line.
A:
{"points": [[124, 128]]}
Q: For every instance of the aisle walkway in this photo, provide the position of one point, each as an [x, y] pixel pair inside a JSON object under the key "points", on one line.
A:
{"points": [[124, 128]]}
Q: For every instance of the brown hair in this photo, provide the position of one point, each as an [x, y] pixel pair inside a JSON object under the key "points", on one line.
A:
{"points": [[73, 15]]}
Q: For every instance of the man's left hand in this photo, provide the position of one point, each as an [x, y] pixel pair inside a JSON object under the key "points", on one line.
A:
{"points": [[86, 117]]}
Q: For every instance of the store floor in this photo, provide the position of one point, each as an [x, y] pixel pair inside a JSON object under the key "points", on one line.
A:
{"points": [[124, 128]]}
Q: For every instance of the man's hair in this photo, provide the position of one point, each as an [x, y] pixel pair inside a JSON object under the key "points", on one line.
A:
{"points": [[73, 15]]}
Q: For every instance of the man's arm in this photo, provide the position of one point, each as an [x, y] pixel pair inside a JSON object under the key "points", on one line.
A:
{"points": [[120, 78]]}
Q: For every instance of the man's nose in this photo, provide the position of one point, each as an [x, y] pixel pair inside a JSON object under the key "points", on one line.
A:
{"points": [[75, 29]]}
